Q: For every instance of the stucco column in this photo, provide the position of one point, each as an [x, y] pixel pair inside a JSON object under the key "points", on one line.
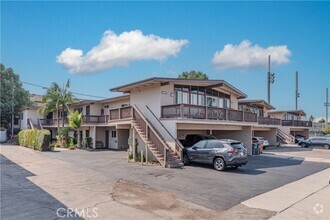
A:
{"points": [[94, 137]]}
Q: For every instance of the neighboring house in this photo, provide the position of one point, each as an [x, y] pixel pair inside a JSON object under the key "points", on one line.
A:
{"points": [[154, 113], [293, 122], [317, 129], [29, 115]]}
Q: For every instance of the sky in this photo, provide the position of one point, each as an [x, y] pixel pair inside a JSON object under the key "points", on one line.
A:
{"points": [[101, 45]]}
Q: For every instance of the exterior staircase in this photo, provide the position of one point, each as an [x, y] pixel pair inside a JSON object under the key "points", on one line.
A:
{"points": [[155, 141], [284, 138]]}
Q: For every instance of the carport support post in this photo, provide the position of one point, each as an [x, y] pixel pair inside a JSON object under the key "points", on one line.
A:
{"points": [[94, 138], [146, 153], [134, 145]]}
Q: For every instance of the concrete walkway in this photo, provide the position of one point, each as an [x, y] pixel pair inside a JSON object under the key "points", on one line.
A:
{"points": [[308, 198]]}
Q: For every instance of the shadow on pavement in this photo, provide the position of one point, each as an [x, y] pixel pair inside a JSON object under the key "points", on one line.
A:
{"points": [[22, 199], [288, 149], [256, 164]]}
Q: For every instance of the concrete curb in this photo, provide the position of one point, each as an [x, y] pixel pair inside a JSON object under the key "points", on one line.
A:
{"points": [[285, 196]]}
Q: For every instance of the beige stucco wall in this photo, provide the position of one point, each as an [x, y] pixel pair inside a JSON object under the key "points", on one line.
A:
{"points": [[269, 135], [234, 101], [123, 135], [278, 115], [167, 94], [31, 114], [100, 134], [244, 135]]}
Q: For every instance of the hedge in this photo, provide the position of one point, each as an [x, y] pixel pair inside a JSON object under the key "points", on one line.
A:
{"points": [[35, 139]]}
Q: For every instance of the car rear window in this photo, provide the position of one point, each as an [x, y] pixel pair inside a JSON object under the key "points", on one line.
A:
{"points": [[237, 145]]}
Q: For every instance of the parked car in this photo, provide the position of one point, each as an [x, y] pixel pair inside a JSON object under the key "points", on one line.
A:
{"points": [[298, 138], [220, 153], [192, 139], [323, 141], [261, 141]]}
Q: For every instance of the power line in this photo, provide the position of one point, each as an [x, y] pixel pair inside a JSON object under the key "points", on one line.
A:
{"points": [[76, 93]]}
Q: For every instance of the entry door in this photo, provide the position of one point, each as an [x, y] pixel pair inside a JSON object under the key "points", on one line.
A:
{"points": [[113, 139], [107, 139]]}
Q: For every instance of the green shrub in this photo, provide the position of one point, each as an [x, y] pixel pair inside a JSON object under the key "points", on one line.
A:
{"points": [[88, 142], [27, 138], [138, 157], [35, 139], [43, 139], [21, 138]]}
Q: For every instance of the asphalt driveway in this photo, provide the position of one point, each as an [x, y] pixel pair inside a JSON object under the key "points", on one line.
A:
{"points": [[199, 184]]}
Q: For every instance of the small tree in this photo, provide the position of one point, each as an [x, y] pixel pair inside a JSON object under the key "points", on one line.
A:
{"points": [[326, 130], [75, 122], [311, 118], [322, 120], [193, 75]]}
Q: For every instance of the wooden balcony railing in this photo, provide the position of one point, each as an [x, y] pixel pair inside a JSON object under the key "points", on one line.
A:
{"points": [[53, 121], [269, 121], [120, 113], [94, 119], [204, 112], [296, 123]]}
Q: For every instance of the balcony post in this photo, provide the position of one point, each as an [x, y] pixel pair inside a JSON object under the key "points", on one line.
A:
{"points": [[206, 112], [181, 110], [119, 112], [226, 115], [243, 116]]}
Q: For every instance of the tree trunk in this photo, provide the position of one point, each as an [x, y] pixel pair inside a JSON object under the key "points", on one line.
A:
{"points": [[63, 117], [58, 122]]}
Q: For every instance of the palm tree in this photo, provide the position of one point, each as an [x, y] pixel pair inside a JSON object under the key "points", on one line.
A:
{"points": [[75, 122], [57, 99], [50, 103]]}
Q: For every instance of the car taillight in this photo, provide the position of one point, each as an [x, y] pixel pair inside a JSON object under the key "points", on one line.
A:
{"points": [[232, 151]]}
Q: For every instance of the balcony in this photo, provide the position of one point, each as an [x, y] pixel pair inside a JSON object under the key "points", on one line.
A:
{"points": [[269, 121], [120, 113], [296, 123], [53, 121], [94, 119], [205, 112]]}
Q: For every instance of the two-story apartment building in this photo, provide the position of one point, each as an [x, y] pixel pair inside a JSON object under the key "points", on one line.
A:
{"points": [[153, 114]]}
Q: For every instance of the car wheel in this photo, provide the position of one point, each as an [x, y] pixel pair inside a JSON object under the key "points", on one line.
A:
{"points": [[326, 146], [185, 159], [219, 164], [303, 145]]}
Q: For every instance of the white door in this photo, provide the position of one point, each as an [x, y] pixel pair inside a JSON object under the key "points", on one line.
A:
{"points": [[113, 139]]}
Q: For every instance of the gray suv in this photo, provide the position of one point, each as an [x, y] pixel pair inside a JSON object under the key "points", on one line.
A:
{"points": [[220, 153]]}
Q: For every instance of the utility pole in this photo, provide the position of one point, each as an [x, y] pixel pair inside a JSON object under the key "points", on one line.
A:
{"points": [[270, 80], [297, 91], [326, 104], [12, 107]]}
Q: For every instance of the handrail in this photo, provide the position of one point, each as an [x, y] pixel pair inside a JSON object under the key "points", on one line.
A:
{"points": [[287, 137], [150, 126], [40, 125], [176, 140], [30, 123]]}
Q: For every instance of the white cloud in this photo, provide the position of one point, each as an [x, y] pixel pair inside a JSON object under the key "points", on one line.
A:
{"points": [[119, 50], [245, 55]]}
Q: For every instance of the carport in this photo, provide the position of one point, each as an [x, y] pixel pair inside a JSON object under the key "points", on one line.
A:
{"points": [[300, 131], [268, 133], [221, 131]]}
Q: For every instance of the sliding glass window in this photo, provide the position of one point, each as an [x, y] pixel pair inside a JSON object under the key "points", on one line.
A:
{"points": [[198, 95]]}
